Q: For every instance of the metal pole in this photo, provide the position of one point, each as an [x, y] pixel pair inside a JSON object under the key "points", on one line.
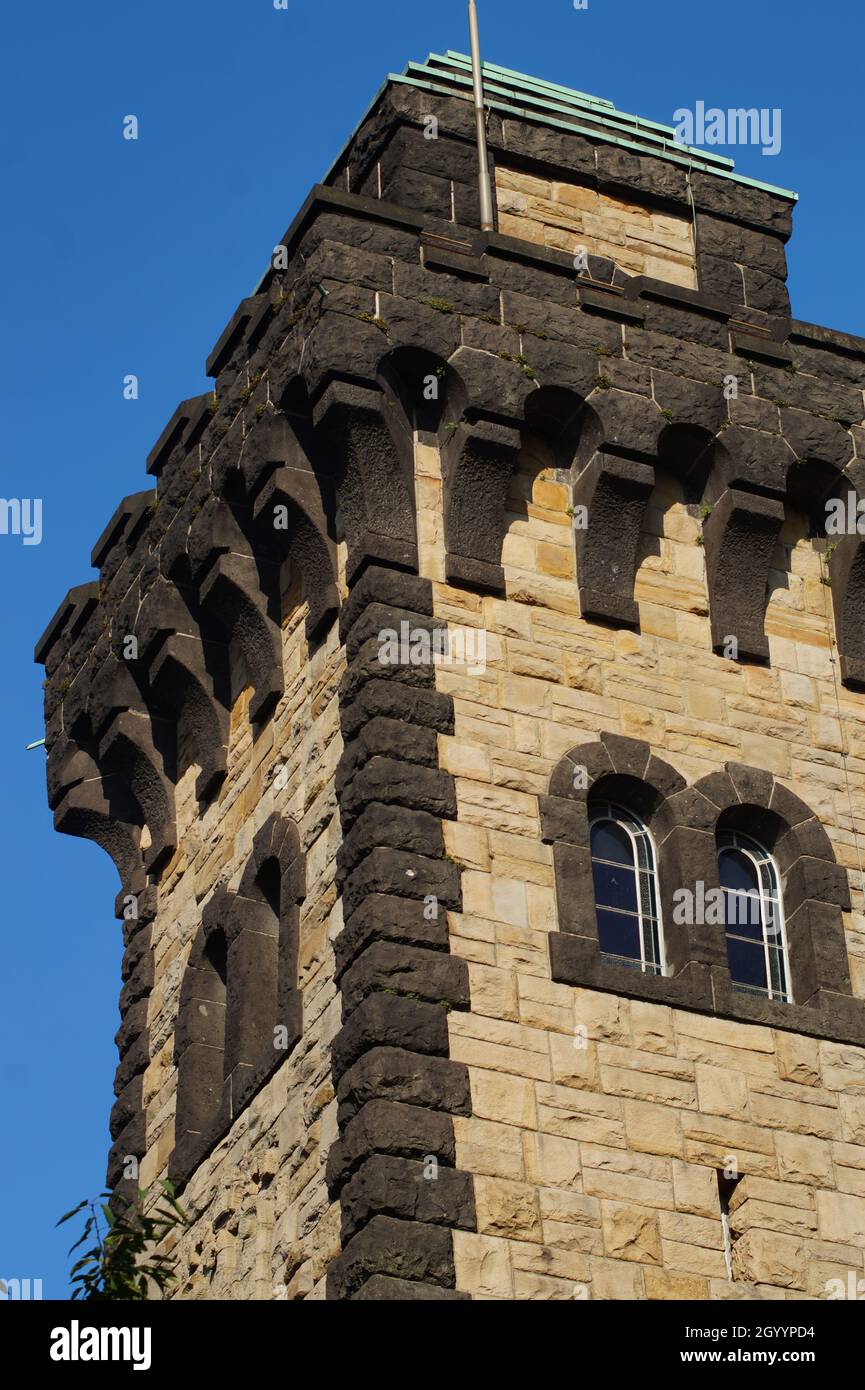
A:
{"points": [[484, 184]]}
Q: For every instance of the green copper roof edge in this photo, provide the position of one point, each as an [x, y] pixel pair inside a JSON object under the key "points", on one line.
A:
{"points": [[465, 61], [624, 121], [664, 153], [619, 120], [641, 123], [609, 108]]}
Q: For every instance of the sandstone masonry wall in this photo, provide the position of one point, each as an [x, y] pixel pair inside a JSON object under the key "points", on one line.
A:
{"points": [[262, 1223], [567, 215], [596, 1160]]}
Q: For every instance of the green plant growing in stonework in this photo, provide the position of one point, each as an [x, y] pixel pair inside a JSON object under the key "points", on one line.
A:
{"points": [[123, 1261]]}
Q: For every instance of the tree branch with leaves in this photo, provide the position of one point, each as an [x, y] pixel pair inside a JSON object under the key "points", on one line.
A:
{"points": [[124, 1262]]}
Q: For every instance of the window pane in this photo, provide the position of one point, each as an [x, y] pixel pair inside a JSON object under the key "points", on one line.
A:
{"points": [[615, 887], [742, 915], [610, 841], [618, 935], [737, 871], [747, 963], [772, 922]]}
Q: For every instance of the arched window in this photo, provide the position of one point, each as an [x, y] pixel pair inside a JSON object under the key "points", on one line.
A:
{"points": [[626, 890], [753, 918]]}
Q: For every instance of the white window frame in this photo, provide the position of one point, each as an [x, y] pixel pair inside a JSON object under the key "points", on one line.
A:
{"points": [[762, 860], [628, 821]]}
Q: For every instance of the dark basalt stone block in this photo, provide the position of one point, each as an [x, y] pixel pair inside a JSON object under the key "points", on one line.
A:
{"points": [[412, 705], [401, 623], [391, 781], [403, 874], [740, 538], [391, 827], [387, 1020], [725, 237], [404, 1188], [389, 588], [408, 971], [405, 1250], [126, 1109], [386, 738], [615, 492], [721, 278], [393, 1073], [563, 818], [373, 663], [575, 960], [389, 1127], [620, 169], [406, 921], [764, 291]]}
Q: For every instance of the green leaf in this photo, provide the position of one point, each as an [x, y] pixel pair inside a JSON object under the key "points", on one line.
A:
{"points": [[70, 1214]]}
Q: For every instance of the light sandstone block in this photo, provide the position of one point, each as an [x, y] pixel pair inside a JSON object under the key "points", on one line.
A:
{"points": [[552, 1161], [561, 1235], [604, 1016], [692, 1230], [853, 1118], [662, 1284], [543, 1288], [494, 1057], [766, 1258], [616, 1279], [468, 845], [544, 1005], [495, 1150], [494, 992], [722, 1092], [725, 1032], [506, 1099], [482, 1265], [802, 1159], [574, 1061], [508, 1209], [629, 1189], [819, 1120], [720, 1156], [788, 1194], [543, 1259], [636, 1085], [841, 1217], [631, 1233], [695, 1189], [843, 1067], [652, 1027], [694, 1259], [573, 1208], [654, 1129], [771, 1216]]}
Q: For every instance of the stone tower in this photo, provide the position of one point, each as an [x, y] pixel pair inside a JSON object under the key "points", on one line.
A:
{"points": [[490, 551]]}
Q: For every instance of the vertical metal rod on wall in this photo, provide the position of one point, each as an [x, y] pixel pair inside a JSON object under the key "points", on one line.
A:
{"points": [[484, 184]]}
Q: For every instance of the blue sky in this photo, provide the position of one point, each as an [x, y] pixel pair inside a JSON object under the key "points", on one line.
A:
{"points": [[129, 257]]}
